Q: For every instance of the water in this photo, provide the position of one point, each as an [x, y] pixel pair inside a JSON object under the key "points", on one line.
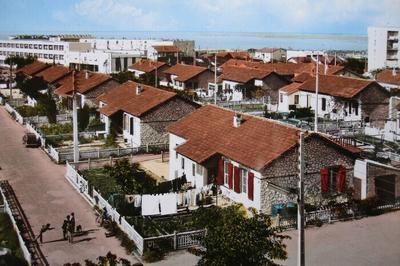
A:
{"points": [[238, 40]]}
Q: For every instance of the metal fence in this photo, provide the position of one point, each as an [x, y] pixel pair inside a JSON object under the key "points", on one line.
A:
{"points": [[176, 240], [22, 244]]}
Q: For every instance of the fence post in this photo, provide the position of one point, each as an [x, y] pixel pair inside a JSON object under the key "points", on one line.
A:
{"points": [[147, 148], [89, 163], [111, 161], [175, 241], [98, 153]]}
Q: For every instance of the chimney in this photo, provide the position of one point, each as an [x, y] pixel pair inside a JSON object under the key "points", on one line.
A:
{"points": [[237, 120], [138, 89], [86, 74]]}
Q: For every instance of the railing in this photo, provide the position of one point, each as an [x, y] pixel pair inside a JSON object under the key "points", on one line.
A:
{"points": [[44, 119], [178, 240], [12, 111], [95, 198]]}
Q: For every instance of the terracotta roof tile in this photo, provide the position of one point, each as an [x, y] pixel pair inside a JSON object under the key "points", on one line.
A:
{"points": [[53, 73], [82, 83], [255, 143], [386, 76], [337, 86], [146, 65], [124, 98], [243, 74], [33, 68], [291, 88], [240, 55], [302, 77], [185, 72], [166, 48]]}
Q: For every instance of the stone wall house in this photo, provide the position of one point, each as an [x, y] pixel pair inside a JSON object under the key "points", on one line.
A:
{"points": [[255, 159], [141, 112], [340, 98], [247, 78], [188, 77], [88, 86]]}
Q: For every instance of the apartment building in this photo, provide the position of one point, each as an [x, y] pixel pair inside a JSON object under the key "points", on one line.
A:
{"points": [[383, 48]]}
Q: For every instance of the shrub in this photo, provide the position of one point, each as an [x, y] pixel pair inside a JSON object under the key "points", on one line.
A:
{"points": [[27, 111]]}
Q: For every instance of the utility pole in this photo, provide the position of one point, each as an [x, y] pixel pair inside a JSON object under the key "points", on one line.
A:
{"points": [[75, 120], [155, 78], [316, 95], [215, 79], [10, 81], [300, 205]]}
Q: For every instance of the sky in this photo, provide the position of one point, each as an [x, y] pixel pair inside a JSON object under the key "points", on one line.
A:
{"points": [[291, 16]]}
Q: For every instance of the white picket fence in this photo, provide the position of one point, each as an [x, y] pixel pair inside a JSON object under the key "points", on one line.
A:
{"points": [[22, 244], [11, 110], [81, 185]]}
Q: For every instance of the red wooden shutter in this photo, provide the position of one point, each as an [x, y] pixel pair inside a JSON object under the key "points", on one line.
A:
{"points": [[324, 180], [237, 179], [341, 179], [230, 175], [250, 185], [220, 175]]}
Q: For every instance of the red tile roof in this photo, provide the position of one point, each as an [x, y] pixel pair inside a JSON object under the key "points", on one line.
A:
{"points": [[337, 86], [209, 131], [53, 73], [242, 74], [185, 72], [146, 65], [82, 83], [386, 76], [284, 68], [166, 48], [33, 68], [302, 77], [291, 88], [124, 98], [241, 55]]}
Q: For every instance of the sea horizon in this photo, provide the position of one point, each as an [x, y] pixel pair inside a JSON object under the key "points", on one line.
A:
{"points": [[232, 40]]}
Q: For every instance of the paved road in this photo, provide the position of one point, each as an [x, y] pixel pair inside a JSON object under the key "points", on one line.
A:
{"points": [[47, 197], [369, 241]]}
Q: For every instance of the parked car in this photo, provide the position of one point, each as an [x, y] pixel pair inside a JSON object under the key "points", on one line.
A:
{"points": [[30, 140]]}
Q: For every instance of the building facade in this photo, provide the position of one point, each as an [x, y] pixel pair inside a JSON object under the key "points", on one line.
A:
{"points": [[383, 48]]}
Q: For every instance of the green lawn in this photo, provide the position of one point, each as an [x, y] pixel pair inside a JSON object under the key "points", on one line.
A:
{"points": [[9, 239], [102, 182]]}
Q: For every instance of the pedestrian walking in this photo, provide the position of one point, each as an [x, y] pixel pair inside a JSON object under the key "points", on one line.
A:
{"points": [[64, 228], [70, 233], [72, 221]]}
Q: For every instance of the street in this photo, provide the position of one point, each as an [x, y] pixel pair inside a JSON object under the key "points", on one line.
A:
{"points": [[368, 241], [47, 197]]}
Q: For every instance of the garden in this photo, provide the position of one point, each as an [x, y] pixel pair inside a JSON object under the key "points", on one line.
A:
{"points": [[9, 240]]}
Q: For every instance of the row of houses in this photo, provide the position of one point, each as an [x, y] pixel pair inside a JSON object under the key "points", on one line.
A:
{"points": [[252, 159]]}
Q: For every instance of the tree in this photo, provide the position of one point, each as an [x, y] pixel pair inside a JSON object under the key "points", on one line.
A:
{"points": [[123, 77], [47, 106], [19, 61], [233, 239], [356, 65], [83, 117], [31, 87], [130, 178], [148, 79], [250, 90]]}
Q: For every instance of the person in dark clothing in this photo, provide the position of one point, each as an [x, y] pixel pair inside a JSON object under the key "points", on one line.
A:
{"points": [[70, 230], [65, 229], [44, 228], [72, 222]]}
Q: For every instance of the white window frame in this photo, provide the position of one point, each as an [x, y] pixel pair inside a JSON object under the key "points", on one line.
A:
{"points": [[226, 172], [243, 179], [199, 169]]}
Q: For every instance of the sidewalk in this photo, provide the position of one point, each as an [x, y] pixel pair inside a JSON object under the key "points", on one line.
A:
{"points": [[47, 197]]}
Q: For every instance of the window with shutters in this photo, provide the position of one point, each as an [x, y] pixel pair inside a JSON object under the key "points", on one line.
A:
{"points": [[182, 163], [296, 99], [331, 176], [226, 172], [243, 178], [193, 169]]}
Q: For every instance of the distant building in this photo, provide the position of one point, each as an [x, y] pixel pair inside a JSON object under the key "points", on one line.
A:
{"points": [[383, 48], [270, 55]]}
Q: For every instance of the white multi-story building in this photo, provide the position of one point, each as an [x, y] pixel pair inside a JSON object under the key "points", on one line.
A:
{"points": [[100, 55], [383, 48]]}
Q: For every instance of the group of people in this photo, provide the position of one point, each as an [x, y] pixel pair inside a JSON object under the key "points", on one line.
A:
{"points": [[68, 228]]}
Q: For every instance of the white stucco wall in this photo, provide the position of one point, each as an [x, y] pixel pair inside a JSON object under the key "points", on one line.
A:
{"points": [[131, 140], [235, 95]]}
